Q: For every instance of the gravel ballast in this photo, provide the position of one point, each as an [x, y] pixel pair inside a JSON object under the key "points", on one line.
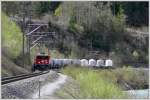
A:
{"points": [[26, 88]]}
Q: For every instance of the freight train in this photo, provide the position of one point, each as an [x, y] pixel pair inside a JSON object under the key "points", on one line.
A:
{"points": [[44, 62]]}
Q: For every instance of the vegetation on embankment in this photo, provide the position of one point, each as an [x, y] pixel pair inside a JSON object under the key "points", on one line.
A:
{"points": [[135, 78], [93, 84], [103, 83], [11, 37], [11, 47]]}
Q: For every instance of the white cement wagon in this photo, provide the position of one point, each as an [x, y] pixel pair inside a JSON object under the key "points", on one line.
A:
{"points": [[84, 62], [92, 63]]}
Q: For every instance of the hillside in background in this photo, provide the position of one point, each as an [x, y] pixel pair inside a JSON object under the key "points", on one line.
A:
{"points": [[83, 30], [102, 27]]}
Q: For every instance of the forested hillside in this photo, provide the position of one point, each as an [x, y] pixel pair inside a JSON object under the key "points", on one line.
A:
{"points": [[99, 26], [89, 29]]}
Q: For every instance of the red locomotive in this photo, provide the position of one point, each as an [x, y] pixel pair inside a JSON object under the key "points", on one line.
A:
{"points": [[41, 62]]}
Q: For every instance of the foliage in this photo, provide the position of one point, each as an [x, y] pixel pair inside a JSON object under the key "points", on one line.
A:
{"points": [[11, 47], [11, 37], [94, 85], [43, 7], [119, 20], [96, 82], [37, 9], [135, 54], [137, 13], [137, 79], [72, 23], [7, 7], [91, 26], [58, 11]]}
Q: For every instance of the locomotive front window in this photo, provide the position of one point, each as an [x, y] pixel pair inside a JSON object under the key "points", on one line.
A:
{"points": [[42, 57]]}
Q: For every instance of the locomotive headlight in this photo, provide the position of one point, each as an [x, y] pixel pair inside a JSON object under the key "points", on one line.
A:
{"points": [[39, 62], [46, 61]]}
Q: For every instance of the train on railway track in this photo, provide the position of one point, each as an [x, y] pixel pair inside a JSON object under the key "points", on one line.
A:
{"points": [[45, 62], [41, 62]]}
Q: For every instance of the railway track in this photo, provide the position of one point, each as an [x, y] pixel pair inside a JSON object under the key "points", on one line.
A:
{"points": [[20, 77]]}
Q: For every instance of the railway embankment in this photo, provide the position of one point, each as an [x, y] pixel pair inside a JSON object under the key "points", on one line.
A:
{"points": [[90, 83], [27, 88]]}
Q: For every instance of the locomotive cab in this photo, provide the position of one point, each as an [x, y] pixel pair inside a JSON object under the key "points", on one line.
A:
{"points": [[41, 62]]}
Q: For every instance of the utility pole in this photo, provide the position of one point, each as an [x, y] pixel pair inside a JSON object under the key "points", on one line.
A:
{"points": [[25, 13], [23, 29], [28, 16]]}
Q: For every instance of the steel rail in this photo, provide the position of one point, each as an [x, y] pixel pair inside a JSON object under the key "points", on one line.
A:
{"points": [[20, 77], [6, 78]]}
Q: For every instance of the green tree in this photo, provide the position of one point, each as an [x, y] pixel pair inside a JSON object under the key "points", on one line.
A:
{"points": [[137, 13]]}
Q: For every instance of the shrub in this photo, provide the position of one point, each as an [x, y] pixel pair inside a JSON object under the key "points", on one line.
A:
{"points": [[11, 37], [93, 84]]}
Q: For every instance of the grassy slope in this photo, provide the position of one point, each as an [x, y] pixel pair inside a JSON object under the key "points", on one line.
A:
{"points": [[9, 68], [101, 83], [11, 47], [92, 84], [11, 37]]}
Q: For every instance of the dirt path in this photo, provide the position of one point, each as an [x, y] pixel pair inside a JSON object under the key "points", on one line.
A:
{"points": [[48, 90]]}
